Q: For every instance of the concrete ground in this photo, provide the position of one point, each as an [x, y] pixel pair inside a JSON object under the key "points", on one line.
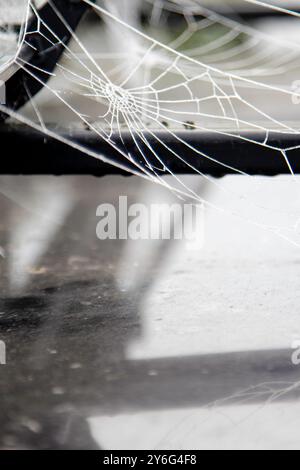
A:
{"points": [[147, 344]]}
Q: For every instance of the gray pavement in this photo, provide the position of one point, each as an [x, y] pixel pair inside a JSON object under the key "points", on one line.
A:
{"points": [[130, 344]]}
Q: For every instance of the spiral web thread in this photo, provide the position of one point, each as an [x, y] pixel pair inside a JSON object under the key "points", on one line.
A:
{"points": [[209, 73]]}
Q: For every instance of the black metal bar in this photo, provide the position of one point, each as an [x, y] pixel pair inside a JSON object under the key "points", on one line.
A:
{"points": [[253, 15], [27, 151], [252, 12]]}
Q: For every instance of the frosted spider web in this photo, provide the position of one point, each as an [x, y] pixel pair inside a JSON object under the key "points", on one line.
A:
{"points": [[188, 67]]}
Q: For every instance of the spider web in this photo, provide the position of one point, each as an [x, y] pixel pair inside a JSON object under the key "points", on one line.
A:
{"points": [[187, 68]]}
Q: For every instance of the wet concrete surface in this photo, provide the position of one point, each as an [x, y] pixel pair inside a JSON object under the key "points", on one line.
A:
{"points": [[93, 334]]}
